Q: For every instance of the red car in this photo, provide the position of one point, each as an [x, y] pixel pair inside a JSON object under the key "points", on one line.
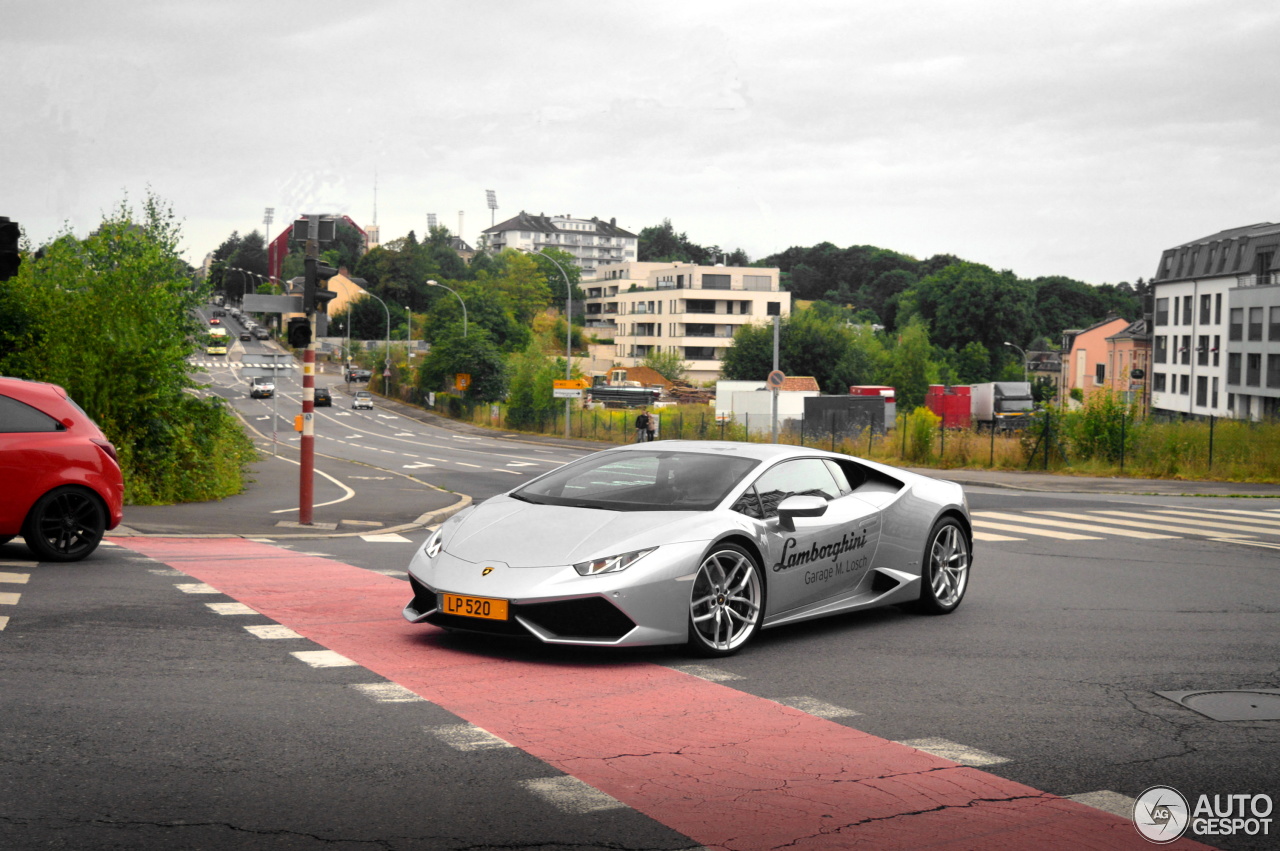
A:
{"points": [[62, 485]]}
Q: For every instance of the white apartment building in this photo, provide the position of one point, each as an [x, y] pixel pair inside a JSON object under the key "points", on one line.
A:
{"points": [[682, 308], [595, 245], [1215, 346]]}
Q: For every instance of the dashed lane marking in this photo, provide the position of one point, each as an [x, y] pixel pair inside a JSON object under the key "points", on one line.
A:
{"points": [[15, 578], [9, 598], [197, 588], [387, 692], [991, 536], [818, 708], [1233, 527], [468, 737], [230, 609], [962, 754], [391, 538], [465, 464], [1159, 527], [323, 658], [4, 621], [1043, 533], [512, 472], [571, 795], [1271, 525], [272, 631]]}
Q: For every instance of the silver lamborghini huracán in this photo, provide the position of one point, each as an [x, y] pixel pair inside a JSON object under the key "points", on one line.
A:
{"points": [[698, 542]]}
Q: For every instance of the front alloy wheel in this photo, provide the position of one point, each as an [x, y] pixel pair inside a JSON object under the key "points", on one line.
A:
{"points": [[727, 602], [946, 568], [65, 525]]}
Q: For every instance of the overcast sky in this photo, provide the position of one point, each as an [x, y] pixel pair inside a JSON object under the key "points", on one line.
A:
{"points": [[1073, 138]]}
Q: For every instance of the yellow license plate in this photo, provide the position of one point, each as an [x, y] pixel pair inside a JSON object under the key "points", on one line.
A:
{"points": [[473, 607]]}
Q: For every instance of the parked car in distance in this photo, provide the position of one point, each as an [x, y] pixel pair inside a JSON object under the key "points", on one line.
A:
{"points": [[359, 375], [362, 399], [263, 387], [261, 333], [324, 398], [62, 484], [246, 335]]}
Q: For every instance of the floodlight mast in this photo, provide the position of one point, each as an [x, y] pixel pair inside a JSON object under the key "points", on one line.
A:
{"points": [[493, 205]]}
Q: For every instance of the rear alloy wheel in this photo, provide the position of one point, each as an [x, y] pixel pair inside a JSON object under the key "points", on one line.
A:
{"points": [[726, 604], [946, 568], [65, 525]]}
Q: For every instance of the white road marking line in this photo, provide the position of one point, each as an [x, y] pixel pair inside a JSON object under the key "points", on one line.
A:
{"points": [[1044, 533], [1229, 526], [4, 621], [816, 707], [15, 578], [410, 455], [1079, 527], [9, 598], [231, 609], [403, 434], [1247, 543], [440, 460], [322, 658], [707, 672], [991, 536], [386, 692], [15, 564], [955, 752], [465, 464], [571, 795], [1107, 801], [391, 538], [1159, 527], [197, 588], [1266, 525], [468, 737], [1270, 515], [399, 574], [272, 631], [421, 465], [512, 472], [519, 463], [165, 571]]}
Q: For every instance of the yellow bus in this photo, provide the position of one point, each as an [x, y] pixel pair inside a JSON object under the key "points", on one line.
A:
{"points": [[217, 342]]}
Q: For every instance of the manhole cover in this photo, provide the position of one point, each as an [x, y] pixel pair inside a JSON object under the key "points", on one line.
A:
{"points": [[1230, 705]]}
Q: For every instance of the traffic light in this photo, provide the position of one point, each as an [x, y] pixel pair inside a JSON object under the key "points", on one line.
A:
{"points": [[10, 259], [316, 294], [299, 332]]}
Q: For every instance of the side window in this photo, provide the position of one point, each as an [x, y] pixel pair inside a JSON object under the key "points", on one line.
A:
{"points": [[805, 476], [18, 417], [837, 473], [749, 504]]}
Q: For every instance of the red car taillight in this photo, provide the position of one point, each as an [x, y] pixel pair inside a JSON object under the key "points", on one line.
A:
{"points": [[105, 446]]}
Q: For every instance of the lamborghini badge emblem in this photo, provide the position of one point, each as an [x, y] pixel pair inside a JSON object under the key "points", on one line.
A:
{"points": [[486, 571]]}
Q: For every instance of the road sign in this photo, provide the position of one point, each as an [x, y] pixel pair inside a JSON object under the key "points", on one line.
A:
{"points": [[253, 303], [570, 384], [463, 380], [566, 392], [776, 378]]}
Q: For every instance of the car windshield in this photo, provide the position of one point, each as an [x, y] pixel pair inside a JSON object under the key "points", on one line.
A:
{"points": [[641, 481]]}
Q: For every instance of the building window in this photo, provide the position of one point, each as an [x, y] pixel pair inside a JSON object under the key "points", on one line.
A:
{"points": [[1214, 403], [1217, 340], [1186, 310], [1233, 367], [1204, 309], [1176, 311], [757, 282], [1273, 370], [1236, 331], [1202, 350], [1273, 329], [1185, 350], [1184, 387], [1162, 349], [1202, 390], [715, 282], [1099, 373], [1253, 370], [1162, 311], [1157, 382], [1255, 323], [1217, 309]]}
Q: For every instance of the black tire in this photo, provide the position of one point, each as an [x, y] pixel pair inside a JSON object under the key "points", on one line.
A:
{"points": [[944, 569], [726, 602], [65, 524]]}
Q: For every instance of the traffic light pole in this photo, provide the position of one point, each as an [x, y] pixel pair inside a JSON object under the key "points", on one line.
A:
{"points": [[306, 471]]}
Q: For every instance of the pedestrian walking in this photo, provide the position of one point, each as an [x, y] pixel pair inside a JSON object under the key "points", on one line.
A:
{"points": [[643, 427]]}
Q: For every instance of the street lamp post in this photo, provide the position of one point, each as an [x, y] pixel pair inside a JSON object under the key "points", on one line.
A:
{"points": [[1024, 359], [568, 331], [460, 301]]}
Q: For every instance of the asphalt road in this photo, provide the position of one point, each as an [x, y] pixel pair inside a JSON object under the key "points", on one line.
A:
{"points": [[142, 711]]}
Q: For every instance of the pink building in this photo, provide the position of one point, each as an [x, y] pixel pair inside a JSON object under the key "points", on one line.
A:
{"points": [[1085, 358]]}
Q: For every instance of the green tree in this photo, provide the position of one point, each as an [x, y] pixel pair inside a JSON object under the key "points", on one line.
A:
{"points": [[667, 364], [969, 302], [555, 280], [521, 280], [750, 358], [911, 368], [531, 401], [485, 308], [476, 355]]}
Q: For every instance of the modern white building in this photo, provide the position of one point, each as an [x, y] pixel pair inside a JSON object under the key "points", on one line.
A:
{"points": [[1215, 347], [679, 307], [594, 244]]}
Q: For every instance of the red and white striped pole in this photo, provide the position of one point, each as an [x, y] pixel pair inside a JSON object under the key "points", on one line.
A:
{"points": [[306, 476]]}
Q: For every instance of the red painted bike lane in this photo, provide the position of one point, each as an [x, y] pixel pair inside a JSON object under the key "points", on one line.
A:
{"points": [[727, 769]]}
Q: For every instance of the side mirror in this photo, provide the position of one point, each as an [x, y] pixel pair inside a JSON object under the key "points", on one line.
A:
{"points": [[799, 506]]}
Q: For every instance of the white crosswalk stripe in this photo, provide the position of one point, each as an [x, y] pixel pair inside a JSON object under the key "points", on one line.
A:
{"points": [[1153, 523]]}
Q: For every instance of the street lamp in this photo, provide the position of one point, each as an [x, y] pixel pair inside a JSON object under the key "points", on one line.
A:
{"points": [[1024, 359], [460, 301], [568, 330]]}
